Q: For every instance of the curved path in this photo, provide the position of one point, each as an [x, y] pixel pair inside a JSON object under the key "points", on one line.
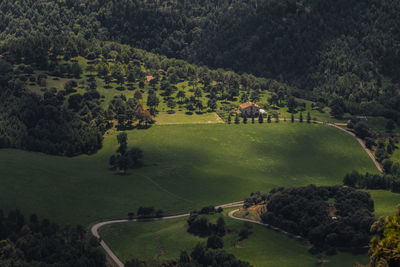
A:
{"points": [[231, 215], [95, 228], [378, 166]]}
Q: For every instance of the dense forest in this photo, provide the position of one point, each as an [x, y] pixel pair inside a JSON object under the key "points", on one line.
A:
{"points": [[345, 52], [199, 256], [34, 242], [329, 217], [44, 124]]}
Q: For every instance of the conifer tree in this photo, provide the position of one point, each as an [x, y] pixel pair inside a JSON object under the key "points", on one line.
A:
{"points": [[237, 121], [260, 118]]}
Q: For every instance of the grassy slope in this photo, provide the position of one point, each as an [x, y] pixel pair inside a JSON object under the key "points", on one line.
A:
{"points": [[385, 202], [187, 166], [264, 247], [128, 89]]}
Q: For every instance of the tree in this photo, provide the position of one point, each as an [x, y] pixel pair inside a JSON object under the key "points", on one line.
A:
{"points": [[215, 242], [369, 142], [380, 154], [102, 69], [361, 130], [269, 119], [301, 117], [181, 95], [337, 108], [277, 118], [387, 165], [260, 118], [389, 149], [197, 93], [292, 118], [245, 232], [107, 79], [220, 228], [184, 257], [199, 105], [212, 104], [229, 118], [237, 121], [189, 106], [308, 117], [171, 104], [122, 139], [244, 118], [76, 70], [117, 73], [152, 102], [390, 125], [131, 77], [384, 248], [139, 112], [352, 179], [90, 68], [252, 118], [291, 105], [137, 95], [273, 99], [126, 159]]}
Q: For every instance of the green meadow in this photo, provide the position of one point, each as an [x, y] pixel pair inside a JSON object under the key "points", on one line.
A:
{"points": [[163, 240], [186, 167]]}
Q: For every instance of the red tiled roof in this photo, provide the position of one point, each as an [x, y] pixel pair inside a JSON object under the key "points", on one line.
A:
{"points": [[248, 104]]}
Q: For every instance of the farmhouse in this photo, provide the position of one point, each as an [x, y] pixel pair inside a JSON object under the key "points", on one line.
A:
{"points": [[248, 109]]}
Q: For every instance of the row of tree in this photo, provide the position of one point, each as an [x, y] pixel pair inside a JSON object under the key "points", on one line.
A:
{"points": [[373, 181]]}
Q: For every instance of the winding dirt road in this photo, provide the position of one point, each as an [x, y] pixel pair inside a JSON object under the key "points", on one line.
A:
{"points": [[95, 228]]}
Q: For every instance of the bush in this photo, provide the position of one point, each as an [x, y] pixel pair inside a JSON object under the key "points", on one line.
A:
{"points": [[145, 212], [207, 210]]}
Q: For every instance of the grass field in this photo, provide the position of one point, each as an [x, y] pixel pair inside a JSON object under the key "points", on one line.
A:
{"points": [[181, 118], [385, 202], [186, 167], [163, 240]]}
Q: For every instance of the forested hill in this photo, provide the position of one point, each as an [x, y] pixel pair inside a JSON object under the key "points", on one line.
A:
{"points": [[346, 51], [266, 37]]}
